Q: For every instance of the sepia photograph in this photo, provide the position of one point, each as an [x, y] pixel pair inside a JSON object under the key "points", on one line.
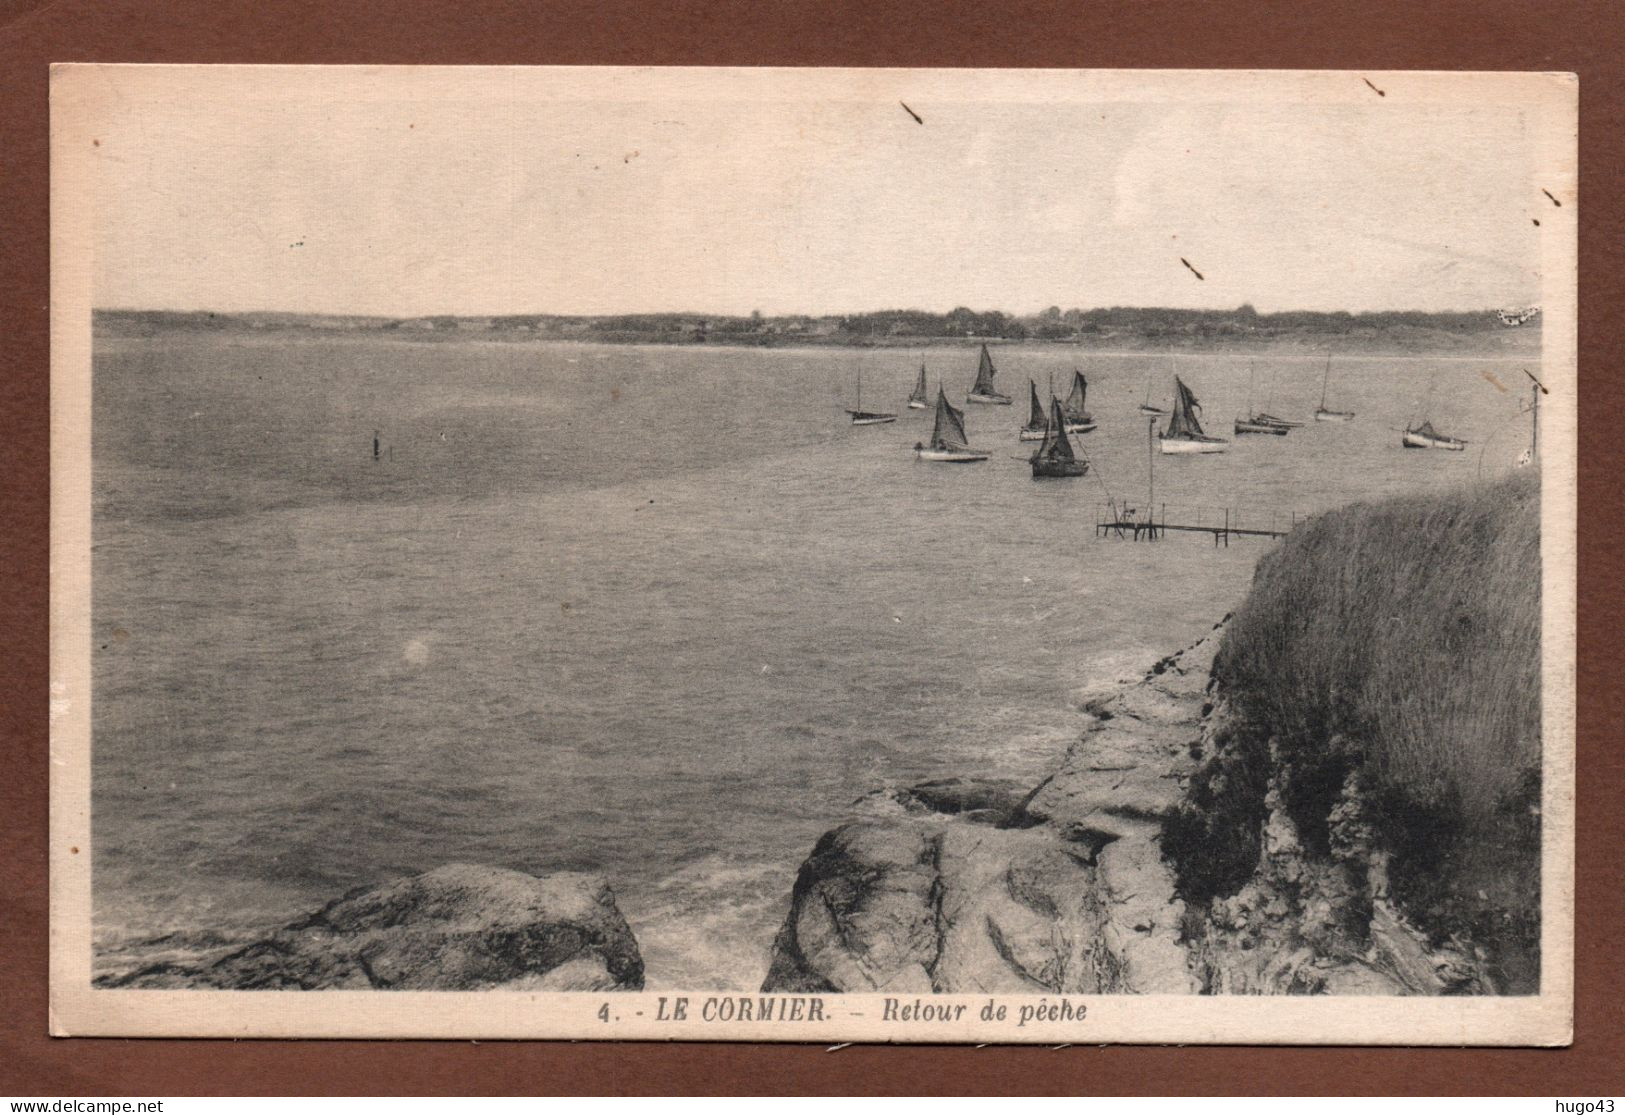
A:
{"points": [[816, 555]]}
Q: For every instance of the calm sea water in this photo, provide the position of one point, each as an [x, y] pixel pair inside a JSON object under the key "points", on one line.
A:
{"points": [[658, 612]]}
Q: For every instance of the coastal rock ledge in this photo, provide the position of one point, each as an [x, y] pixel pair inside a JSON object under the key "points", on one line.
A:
{"points": [[1068, 889], [460, 927]]}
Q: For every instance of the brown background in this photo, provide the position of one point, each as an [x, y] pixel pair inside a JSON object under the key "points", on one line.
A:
{"points": [[1580, 35]]}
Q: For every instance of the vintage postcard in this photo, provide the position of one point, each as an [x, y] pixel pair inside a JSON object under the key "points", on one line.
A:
{"points": [[813, 555]]}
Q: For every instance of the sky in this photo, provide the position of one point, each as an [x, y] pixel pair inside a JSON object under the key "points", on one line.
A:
{"points": [[396, 192]]}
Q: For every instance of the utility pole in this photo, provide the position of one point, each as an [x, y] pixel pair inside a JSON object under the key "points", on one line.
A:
{"points": [[1150, 466], [1536, 390], [1534, 423]]}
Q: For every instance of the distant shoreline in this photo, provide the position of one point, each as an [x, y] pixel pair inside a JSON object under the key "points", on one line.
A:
{"points": [[1364, 342]]}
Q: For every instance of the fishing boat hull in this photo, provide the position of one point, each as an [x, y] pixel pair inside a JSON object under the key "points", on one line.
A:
{"points": [[1055, 468], [1334, 416], [1271, 420], [1413, 440], [995, 400], [1192, 445], [952, 456], [870, 418], [1260, 428], [1081, 426], [1146, 409], [1031, 433], [918, 404]]}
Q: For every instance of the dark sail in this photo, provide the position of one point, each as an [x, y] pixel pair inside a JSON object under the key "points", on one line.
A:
{"points": [[1075, 401], [1057, 446], [984, 375], [1182, 422], [949, 432], [1035, 415], [918, 395]]}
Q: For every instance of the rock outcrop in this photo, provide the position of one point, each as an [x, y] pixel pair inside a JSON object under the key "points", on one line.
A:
{"points": [[1309, 923], [457, 928], [970, 889], [974, 889]]}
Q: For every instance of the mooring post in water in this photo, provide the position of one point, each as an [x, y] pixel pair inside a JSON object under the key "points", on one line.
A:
{"points": [[1150, 465], [375, 445]]}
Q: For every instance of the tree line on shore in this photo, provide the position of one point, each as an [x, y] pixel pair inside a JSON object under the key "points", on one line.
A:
{"points": [[1052, 324]]}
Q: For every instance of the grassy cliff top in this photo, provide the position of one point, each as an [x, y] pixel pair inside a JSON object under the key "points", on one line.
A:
{"points": [[1396, 641]]}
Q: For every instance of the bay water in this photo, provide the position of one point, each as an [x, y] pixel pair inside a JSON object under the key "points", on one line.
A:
{"points": [[658, 612]]}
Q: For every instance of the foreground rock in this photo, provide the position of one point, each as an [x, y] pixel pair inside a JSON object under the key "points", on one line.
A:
{"points": [[1064, 891], [1069, 890], [457, 928]]}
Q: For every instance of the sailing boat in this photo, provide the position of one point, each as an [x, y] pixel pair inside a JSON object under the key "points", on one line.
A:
{"points": [[1256, 423], [916, 398], [1262, 416], [1321, 413], [1037, 427], [1424, 436], [1184, 433], [1146, 407], [861, 417], [1078, 420], [948, 440], [982, 391], [1055, 457]]}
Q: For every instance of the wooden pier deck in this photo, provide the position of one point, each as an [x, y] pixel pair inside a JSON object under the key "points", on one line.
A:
{"points": [[1223, 523]]}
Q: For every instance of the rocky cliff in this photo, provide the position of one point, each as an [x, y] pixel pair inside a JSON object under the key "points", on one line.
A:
{"points": [[971, 887], [456, 928]]}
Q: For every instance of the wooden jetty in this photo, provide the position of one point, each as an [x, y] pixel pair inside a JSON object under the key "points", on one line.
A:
{"points": [[1116, 520]]}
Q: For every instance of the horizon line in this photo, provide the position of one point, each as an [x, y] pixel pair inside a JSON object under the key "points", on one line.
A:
{"points": [[799, 313]]}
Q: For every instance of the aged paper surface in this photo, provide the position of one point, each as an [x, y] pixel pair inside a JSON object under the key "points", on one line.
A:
{"points": [[503, 584]]}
